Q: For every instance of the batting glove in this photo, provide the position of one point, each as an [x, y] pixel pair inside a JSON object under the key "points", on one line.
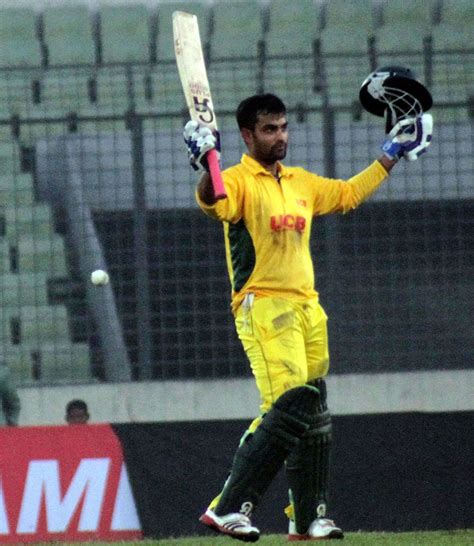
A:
{"points": [[200, 140], [409, 138]]}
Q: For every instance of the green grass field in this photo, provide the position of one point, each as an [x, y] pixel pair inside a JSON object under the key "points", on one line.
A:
{"points": [[432, 538], [435, 538]]}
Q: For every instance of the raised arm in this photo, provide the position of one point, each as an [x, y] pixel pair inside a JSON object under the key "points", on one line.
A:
{"points": [[206, 189]]}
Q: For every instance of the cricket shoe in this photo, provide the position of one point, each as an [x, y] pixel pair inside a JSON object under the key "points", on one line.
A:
{"points": [[235, 525], [320, 529]]}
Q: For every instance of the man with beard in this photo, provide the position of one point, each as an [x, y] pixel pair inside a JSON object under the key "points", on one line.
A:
{"points": [[267, 219]]}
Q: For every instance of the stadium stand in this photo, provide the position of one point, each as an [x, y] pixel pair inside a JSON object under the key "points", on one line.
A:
{"points": [[69, 71]]}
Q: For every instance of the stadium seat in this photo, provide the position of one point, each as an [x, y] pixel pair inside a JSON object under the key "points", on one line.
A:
{"points": [[118, 85], [447, 37], [9, 160], [146, 96], [18, 359], [34, 220], [421, 12], [231, 82], [290, 42], [346, 62], [301, 14], [63, 91], [38, 324], [23, 289], [48, 363], [61, 362], [125, 33], [67, 33], [237, 30], [45, 255], [458, 13], [402, 44], [351, 15], [4, 256], [112, 90], [17, 95], [289, 69], [19, 45], [294, 80], [293, 26], [453, 62], [167, 91], [165, 47], [16, 190]]}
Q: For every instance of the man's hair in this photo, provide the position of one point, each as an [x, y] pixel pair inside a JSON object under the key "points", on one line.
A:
{"points": [[250, 108], [76, 404]]}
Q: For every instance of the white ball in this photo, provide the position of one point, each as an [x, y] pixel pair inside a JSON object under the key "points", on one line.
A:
{"points": [[99, 277]]}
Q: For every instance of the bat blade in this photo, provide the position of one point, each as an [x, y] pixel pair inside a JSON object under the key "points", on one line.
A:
{"points": [[193, 75]]}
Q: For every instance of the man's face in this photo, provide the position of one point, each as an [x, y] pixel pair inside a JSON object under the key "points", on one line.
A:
{"points": [[268, 142], [77, 416]]}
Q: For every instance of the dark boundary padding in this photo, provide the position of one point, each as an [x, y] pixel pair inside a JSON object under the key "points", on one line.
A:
{"points": [[390, 472]]}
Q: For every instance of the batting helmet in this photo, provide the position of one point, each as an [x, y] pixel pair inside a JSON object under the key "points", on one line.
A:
{"points": [[394, 92]]}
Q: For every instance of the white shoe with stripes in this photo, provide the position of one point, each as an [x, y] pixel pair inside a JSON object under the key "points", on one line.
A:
{"points": [[320, 529], [235, 525]]}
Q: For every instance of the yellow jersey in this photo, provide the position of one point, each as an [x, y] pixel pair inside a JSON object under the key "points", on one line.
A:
{"points": [[267, 224]]}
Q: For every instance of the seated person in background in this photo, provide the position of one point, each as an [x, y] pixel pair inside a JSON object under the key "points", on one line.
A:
{"points": [[77, 412], [10, 401]]}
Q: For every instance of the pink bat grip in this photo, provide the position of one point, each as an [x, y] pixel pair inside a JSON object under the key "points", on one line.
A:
{"points": [[215, 170]]}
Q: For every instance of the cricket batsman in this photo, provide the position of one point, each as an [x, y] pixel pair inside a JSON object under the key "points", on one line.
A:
{"points": [[267, 218]]}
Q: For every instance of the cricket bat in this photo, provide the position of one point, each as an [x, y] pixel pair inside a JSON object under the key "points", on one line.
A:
{"points": [[193, 75]]}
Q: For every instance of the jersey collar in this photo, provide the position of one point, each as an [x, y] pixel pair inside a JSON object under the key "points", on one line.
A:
{"points": [[255, 168]]}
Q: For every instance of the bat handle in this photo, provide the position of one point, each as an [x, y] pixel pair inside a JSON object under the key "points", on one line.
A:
{"points": [[215, 170]]}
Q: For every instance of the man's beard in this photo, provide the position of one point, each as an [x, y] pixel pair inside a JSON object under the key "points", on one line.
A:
{"points": [[277, 152]]}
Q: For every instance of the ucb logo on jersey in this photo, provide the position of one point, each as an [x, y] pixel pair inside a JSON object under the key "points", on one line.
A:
{"points": [[284, 222], [246, 508]]}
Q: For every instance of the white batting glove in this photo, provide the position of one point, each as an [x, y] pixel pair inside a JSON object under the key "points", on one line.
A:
{"points": [[409, 138], [200, 140]]}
